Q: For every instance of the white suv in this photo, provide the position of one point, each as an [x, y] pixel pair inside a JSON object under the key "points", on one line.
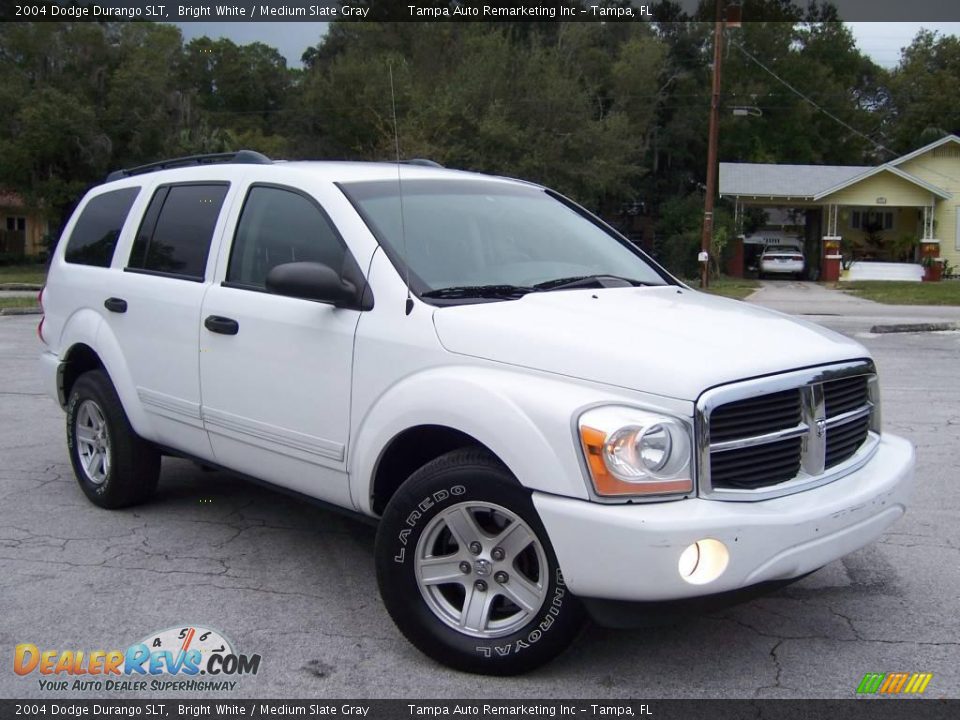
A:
{"points": [[507, 384]]}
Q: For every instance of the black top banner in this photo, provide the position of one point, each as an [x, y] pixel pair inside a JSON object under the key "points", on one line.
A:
{"points": [[474, 11]]}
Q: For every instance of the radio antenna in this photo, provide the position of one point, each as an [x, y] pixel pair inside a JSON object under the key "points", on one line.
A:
{"points": [[403, 226]]}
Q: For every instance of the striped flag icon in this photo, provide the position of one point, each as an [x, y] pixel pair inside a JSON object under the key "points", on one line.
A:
{"points": [[894, 683]]}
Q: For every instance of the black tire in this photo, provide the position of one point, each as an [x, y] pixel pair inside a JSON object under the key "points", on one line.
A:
{"points": [[133, 469], [464, 476]]}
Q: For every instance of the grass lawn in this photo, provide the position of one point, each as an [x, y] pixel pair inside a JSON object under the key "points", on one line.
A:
{"points": [[34, 274], [737, 288], [946, 292], [18, 302]]}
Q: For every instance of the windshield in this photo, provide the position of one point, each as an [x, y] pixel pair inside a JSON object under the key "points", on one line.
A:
{"points": [[493, 239]]}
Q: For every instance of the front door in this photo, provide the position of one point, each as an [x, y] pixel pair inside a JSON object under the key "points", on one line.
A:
{"points": [[275, 371]]}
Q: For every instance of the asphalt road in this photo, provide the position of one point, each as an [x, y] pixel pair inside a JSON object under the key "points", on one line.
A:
{"points": [[296, 584]]}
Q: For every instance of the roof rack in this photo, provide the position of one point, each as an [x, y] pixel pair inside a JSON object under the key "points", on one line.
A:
{"points": [[241, 157], [421, 161]]}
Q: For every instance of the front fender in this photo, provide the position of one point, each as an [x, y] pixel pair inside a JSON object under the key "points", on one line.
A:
{"points": [[525, 418]]}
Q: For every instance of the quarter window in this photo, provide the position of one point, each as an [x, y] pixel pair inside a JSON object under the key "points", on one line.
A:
{"points": [[280, 226], [94, 237], [175, 235]]}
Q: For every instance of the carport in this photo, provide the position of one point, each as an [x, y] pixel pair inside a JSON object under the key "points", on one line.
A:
{"points": [[882, 219]]}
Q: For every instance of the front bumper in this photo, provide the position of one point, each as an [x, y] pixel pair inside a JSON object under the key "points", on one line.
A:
{"points": [[632, 552]]}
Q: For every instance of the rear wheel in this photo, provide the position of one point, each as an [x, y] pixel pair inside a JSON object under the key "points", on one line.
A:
{"points": [[114, 466], [467, 572]]}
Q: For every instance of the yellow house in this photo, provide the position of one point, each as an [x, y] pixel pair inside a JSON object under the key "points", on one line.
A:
{"points": [[904, 211], [22, 228]]}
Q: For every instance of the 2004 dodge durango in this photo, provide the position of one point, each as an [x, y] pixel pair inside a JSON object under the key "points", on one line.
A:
{"points": [[544, 422]]}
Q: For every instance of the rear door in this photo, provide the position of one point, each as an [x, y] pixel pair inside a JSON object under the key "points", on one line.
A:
{"points": [[276, 371], [156, 306]]}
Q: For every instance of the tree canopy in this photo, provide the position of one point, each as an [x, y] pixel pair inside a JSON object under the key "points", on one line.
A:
{"points": [[613, 114]]}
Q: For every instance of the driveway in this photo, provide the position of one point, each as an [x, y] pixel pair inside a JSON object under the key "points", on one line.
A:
{"points": [[843, 311]]}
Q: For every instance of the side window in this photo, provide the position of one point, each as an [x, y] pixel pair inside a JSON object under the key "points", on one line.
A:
{"points": [[95, 235], [174, 237], [280, 226]]}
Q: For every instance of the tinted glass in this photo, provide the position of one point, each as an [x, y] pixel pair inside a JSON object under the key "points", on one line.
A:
{"points": [[177, 229], [470, 233], [95, 235], [279, 226]]}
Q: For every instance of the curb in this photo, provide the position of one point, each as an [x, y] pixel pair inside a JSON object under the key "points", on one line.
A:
{"points": [[20, 287], [914, 327], [21, 311]]}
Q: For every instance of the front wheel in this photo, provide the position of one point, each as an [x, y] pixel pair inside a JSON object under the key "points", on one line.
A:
{"points": [[467, 572]]}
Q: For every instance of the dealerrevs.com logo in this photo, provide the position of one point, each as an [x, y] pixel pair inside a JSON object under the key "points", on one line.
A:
{"points": [[189, 657]]}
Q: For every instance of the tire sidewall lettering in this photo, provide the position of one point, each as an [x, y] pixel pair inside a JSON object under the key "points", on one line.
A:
{"points": [[430, 501], [536, 632]]}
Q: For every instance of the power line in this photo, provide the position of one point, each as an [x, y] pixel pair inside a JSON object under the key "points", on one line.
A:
{"points": [[826, 112]]}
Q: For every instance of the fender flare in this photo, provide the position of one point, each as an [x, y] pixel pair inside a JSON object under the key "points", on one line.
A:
{"points": [[481, 403], [87, 327]]}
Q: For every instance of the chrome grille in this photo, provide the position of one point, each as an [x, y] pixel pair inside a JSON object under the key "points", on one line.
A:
{"points": [[840, 396], [843, 440], [786, 433], [757, 466], [755, 416]]}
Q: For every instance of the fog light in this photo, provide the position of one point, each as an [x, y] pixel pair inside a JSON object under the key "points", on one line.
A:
{"points": [[703, 562]]}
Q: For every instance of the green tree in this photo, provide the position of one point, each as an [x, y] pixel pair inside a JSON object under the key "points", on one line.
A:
{"points": [[570, 108], [240, 86], [924, 106]]}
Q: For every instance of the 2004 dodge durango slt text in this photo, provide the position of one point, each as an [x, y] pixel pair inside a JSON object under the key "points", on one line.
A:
{"points": [[542, 420]]}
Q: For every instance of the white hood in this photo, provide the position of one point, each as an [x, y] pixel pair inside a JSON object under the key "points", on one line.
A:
{"points": [[663, 340]]}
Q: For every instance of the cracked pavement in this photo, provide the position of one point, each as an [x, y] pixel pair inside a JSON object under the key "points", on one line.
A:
{"points": [[296, 583]]}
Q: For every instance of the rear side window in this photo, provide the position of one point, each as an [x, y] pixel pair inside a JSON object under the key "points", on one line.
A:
{"points": [[95, 235], [174, 237], [280, 226]]}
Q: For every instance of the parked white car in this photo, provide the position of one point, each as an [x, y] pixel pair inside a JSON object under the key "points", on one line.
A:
{"points": [[543, 420], [782, 261]]}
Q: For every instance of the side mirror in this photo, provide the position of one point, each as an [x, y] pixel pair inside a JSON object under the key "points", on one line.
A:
{"points": [[312, 281]]}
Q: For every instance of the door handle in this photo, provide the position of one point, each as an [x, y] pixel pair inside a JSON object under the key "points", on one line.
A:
{"points": [[115, 304], [222, 325]]}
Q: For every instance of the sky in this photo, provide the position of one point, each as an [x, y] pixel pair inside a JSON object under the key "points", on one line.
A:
{"points": [[880, 40]]}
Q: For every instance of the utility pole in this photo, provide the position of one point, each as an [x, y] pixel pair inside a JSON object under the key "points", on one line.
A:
{"points": [[705, 240]]}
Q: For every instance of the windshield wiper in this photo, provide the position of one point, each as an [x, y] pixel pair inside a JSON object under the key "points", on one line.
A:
{"points": [[585, 281], [479, 291]]}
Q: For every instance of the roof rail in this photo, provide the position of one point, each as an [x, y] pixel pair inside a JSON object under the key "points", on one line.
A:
{"points": [[421, 161], [241, 157]]}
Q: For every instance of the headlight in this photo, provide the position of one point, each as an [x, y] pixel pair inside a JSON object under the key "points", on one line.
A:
{"points": [[635, 452]]}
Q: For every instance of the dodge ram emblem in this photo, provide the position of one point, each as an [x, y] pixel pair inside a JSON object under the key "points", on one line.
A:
{"points": [[821, 427]]}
